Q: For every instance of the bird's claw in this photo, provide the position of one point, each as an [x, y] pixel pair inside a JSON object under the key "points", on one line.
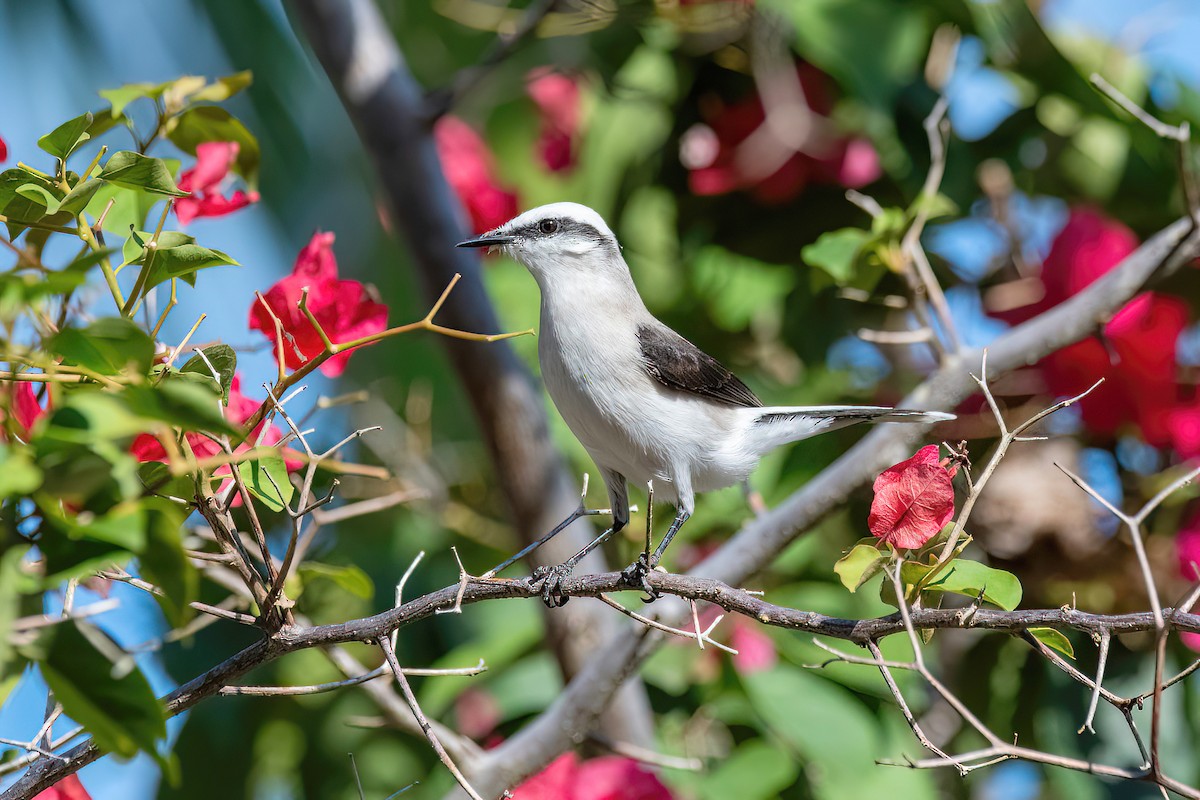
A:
{"points": [[551, 579], [635, 576]]}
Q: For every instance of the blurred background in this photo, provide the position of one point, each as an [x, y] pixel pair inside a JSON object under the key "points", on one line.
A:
{"points": [[667, 117]]}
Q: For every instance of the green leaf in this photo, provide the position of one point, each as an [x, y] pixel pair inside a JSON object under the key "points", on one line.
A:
{"points": [[78, 198], [755, 771], [274, 496], [10, 600], [835, 252], [968, 578], [347, 576], [831, 729], [157, 478], [136, 171], [108, 346], [124, 95], [130, 207], [223, 359], [201, 124], [1054, 639], [42, 196], [18, 474], [164, 563], [63, 140], [858, 566], [178, 257], [223, 88], [116, 707], [192, 406], [26, 206]]}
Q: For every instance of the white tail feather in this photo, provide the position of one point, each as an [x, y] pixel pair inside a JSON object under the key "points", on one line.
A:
{"points": [[774, 426]]}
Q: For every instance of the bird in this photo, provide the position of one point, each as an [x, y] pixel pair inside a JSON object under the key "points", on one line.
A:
{"points": [[649, 406]]}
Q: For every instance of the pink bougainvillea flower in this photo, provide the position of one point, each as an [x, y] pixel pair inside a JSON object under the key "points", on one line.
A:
{"points": [[467, 163], [604, 778], [345, 309], [214, 160], [913, 500], [732, 149], [558, 100], [69, 788], [3, 151], [146, 447], [26, 410], [1187, 550], [1138, 366]]}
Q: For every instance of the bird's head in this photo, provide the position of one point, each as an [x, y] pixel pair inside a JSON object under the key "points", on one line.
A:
{"points": [[554, 239]]}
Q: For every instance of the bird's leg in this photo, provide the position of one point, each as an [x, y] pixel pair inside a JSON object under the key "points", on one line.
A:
{"points": [[551, 578], [635, 574], [559, 528]]}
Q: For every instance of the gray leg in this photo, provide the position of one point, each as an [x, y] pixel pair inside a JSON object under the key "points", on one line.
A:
{"points": [[635, 574], [551, 578]]}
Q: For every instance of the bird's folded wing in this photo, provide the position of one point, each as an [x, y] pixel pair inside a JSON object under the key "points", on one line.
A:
{"points": [[677, 363]]}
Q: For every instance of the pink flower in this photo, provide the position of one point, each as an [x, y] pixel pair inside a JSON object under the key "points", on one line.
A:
{"points": [[557, 98], [69, 788], [721, 159], [146, 447], [213, 163], [756, 650], [344, 308], [467, 163], [1187, 550], [26, 410], [913, 500], [604, 778], [3, 151]]}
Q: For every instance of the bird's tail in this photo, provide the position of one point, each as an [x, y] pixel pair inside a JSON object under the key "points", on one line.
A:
{"points": [[771, 427]]}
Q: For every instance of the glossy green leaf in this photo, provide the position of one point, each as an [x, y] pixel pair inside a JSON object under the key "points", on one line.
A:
{"points": [[78, 198], [108, 346], [220, 358], [276, 495], [836, 252], [136, 171], [63, 140], [177, 256], [347, 576], [163, 562], [189, 405], [201, 124], [130, 207], [862, 563], [1054, 639], [40, 195], [117, 707], [968, 578]]}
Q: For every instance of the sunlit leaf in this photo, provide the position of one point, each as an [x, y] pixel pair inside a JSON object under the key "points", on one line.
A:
{"points": [[136, 171], [63, 140]]}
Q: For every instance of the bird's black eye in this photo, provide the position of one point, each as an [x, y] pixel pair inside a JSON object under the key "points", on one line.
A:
{"points": [[548, 226]]}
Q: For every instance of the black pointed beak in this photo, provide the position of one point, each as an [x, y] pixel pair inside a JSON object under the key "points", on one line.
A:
{"points": [[487, 240]]}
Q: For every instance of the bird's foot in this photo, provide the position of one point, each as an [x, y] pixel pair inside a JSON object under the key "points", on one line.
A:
{"points": [[635, 576], [551, 579]]}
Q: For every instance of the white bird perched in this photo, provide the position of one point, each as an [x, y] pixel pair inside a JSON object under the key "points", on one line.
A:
{"points": [[647, 404]]}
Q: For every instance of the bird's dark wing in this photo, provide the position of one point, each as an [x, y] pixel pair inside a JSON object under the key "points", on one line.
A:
{"points": [[675, 362]]}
